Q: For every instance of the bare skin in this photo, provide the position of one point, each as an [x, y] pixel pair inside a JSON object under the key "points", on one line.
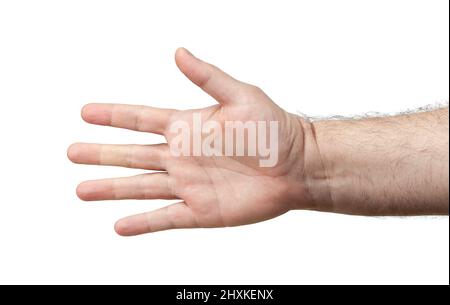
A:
{"points": [[390, 166]]}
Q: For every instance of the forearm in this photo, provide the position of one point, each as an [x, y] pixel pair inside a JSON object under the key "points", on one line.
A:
{"points": [[382, 166]]}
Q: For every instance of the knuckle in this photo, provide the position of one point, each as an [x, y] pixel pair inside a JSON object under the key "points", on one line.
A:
{"points": [[254, 89]]}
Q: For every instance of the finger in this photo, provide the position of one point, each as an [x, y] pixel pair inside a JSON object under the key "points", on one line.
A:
{"points": [[176, 216], [211, 79], [151, 157], [146, 186], [139, 118]]}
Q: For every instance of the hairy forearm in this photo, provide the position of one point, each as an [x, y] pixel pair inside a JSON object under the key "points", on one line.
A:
{"points": [[382, 166]]}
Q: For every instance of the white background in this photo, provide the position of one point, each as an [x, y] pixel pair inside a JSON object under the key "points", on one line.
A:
{"points": [[317, 57]]}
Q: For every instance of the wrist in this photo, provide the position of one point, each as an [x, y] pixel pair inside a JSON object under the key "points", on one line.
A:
{"points": [[312, 177]]}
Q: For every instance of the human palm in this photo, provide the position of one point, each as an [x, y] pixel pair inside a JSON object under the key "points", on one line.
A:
{"points": [[214, 191]]}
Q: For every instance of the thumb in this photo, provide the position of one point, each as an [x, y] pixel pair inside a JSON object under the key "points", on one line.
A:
{"points": [[212, 80]]}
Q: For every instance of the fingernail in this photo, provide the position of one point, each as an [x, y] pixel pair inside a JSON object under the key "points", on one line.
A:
{"points": [[188, 52]]}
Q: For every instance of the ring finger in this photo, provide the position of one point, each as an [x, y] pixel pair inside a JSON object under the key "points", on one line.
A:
{"points": [[145, 186]]}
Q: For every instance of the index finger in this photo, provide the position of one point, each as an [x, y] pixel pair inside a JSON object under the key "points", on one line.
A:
{"points": [[139, 118]]}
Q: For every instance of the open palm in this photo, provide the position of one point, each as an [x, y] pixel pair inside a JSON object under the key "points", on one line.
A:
{"points": [[214, 191]]}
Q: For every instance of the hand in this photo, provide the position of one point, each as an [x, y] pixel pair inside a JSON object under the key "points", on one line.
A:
{"points": [[214, 191]]}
